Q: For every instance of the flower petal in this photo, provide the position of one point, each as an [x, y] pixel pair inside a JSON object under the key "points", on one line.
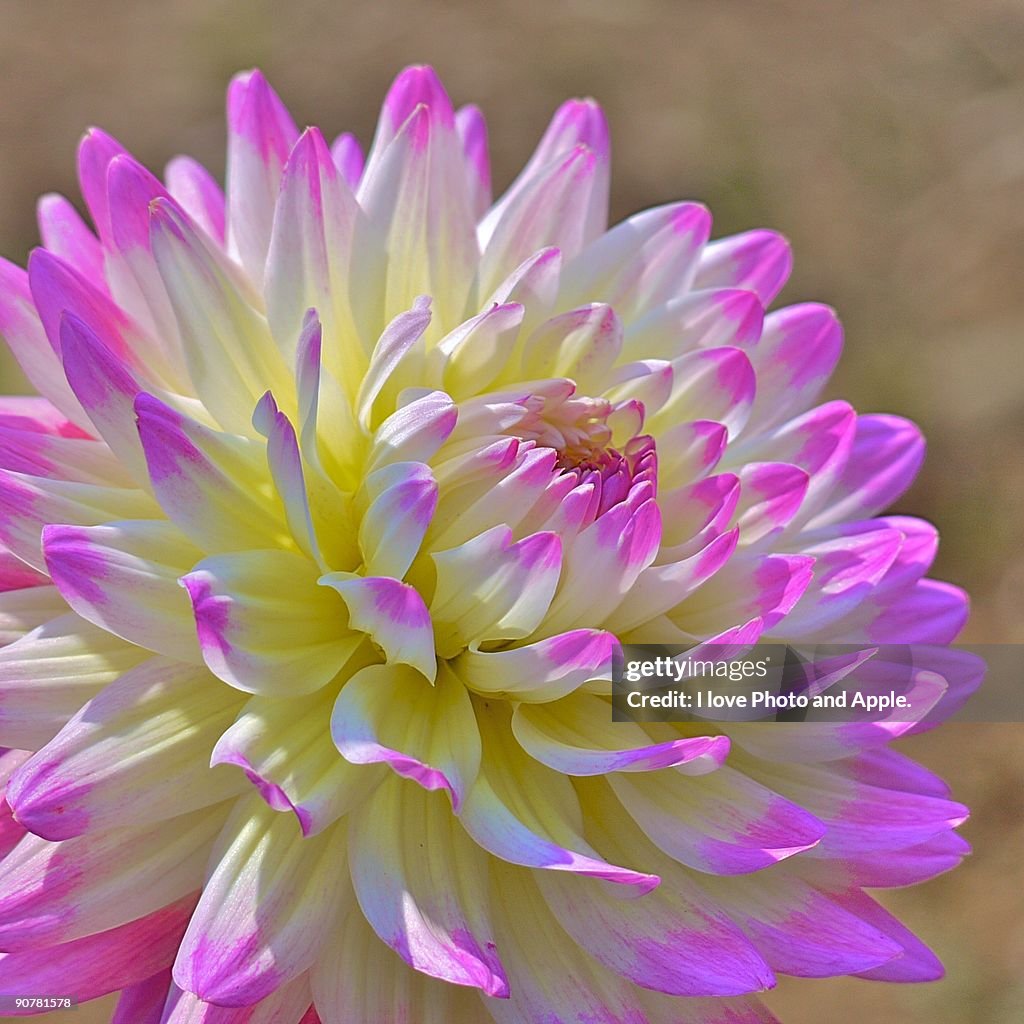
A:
{"points": [[723, 824], [360, 982], [105, 962], [392, 614], [493, 589], [260, 136], [390, 714], [542, 671], [284, 747], [264, 624], [137, 751], [56, 892], [48, 674], [231, 357], [424, 891], [124, 577], [267, 905]]}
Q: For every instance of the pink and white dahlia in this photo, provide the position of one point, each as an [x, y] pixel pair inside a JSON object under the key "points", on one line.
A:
{"points": [[340, 493]]}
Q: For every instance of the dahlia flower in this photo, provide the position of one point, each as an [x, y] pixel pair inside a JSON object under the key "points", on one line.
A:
{"points": [[339, 493]]}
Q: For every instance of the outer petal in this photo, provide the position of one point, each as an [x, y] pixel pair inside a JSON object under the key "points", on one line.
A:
{"points": [[641, 939], [232, 359], [308, 266], [107, 389], [642, 262], [798, 351], [472, 129], [360, 982], [861, 817], [424, 891], [283, 1006], [124, 577], [28, 503], [260, 136], [415, 195], [143, 1002], [265, 910], [57, 892], [65, 234], [137, 751], [551, 209], [214, 486], [799, 930], [100, 963], [47, 675], [557, 983], [758, 260], [21, 330], [576, 736], [28, 605], [197, 192], [886, 456], [723, 824]]}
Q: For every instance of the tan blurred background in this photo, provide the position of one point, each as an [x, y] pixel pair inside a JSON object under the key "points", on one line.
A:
{"points": [[886, 139]]}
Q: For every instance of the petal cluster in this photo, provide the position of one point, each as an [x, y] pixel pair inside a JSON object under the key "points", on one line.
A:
{"points": [[343, 488]]}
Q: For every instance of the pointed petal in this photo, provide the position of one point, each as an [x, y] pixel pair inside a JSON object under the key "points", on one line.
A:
{"points": [[215, 487], [310, 248], [362, 983], [22, 332], [527, 814], [472, 129], [757, 260], [724, 823], [541, 671], [261, 134], [124, 577], [404, 496], [192, 186], [231, 357], [885, 458], [66, 235], [138, 751], [48, 674], [576, 736], [491, 588], [56, 892], [798, 351]]}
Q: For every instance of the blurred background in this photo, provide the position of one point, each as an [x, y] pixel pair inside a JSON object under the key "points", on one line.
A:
{"points": [[886, 139]]}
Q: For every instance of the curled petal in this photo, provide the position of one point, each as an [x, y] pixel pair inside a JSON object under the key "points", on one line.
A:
{"points": [[392, 715], [576, 736], [264, 624]]}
